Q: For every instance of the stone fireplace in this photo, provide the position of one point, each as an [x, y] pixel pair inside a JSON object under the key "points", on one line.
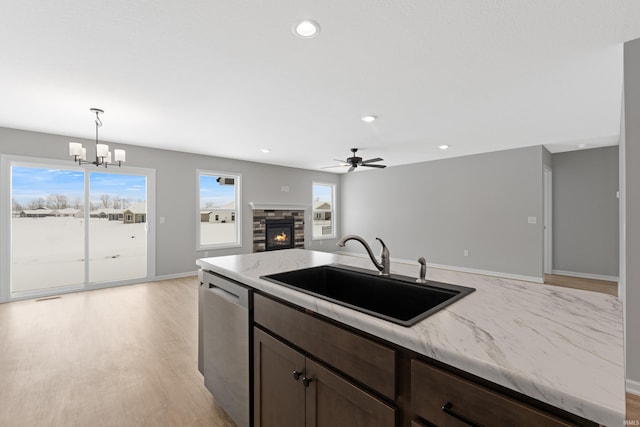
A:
{"points": [[278, 228]]}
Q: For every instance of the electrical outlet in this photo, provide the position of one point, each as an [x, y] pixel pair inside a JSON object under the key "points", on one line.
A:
{"points": [[161, 220], [532, 220], [466, 252], [285, 188], [206, 253]]}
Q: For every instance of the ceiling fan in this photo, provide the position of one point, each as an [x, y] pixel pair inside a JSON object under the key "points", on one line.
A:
{"points": [[354, 161]]}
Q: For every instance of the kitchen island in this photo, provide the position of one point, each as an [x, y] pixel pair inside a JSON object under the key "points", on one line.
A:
{"points": [[562, 347]]}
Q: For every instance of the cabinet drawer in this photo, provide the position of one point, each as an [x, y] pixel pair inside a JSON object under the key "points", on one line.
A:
{"points": [[446, 400], [362, 359]]}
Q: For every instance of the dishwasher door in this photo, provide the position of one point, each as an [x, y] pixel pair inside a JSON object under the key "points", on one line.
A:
{"points": [[226, 345]]}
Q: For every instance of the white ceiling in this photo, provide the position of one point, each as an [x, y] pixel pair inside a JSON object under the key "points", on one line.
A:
{"points": [[227, 78]]}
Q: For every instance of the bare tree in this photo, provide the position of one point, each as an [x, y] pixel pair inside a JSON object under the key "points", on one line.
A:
{"points": [[57, 201], [117, 202], [15, 205], [126, 202], [106, 200], [76, 203], [37, 203]]}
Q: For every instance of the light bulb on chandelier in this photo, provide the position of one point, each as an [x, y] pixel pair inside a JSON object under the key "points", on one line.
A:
{"points": [[103, 155]]}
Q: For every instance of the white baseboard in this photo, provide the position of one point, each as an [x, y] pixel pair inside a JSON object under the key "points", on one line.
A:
{"points": [[456, 268], [585, 275], [489, 273], [633, 387], [176, 276]]}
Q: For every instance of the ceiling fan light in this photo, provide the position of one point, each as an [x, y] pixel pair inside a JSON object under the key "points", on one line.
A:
{"points": [[443, 147], [368, 119]]}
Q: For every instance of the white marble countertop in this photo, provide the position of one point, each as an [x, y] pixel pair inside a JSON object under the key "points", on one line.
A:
{"points": [[560, 346]]}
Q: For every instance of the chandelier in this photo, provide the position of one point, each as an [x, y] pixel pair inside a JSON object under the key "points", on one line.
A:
{"points": [[103, 155]]}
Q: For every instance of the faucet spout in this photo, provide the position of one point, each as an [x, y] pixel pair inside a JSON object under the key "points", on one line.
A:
{"points": [[384, 266]]}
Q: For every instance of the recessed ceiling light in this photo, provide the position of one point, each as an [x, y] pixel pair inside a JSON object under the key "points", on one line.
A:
{"points": [[306, 29], [368, 119], [265, 150], [582, 145], [443, 147]]}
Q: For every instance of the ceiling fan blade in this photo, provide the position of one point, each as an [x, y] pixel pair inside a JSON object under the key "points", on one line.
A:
{"points": [[334, 166], [377, 159], [374, 166], [351, 169], [341, 161]]}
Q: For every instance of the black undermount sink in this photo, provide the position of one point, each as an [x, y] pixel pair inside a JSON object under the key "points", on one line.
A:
{"points": [[398, 299]]}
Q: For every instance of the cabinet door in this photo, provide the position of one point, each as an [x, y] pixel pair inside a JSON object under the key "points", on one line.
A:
{"points": [[335, 402], [278, 395]]}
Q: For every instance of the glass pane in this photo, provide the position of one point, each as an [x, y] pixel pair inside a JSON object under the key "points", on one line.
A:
{"points": [[47, 228], [322, 209], [117, 227], [217, 210]]}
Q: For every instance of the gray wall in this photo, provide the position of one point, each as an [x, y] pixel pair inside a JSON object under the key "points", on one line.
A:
{"points": [[439, 208], [585, 211], [176, 191], [632, 154]]}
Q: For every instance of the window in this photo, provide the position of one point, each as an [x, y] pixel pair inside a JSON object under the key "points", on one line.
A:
{"points": [[324, 226], [217, 210]]}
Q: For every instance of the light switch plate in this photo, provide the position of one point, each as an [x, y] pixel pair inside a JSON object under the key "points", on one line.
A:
{"points": [[533, 220]]}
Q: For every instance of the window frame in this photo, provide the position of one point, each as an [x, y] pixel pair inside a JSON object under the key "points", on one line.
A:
{"points": [[238, 210], [334, 224]]}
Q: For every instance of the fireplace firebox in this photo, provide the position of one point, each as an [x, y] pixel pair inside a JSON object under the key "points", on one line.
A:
{"points": [[279, 234]]}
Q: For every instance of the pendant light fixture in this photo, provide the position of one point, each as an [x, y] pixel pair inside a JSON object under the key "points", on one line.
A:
{"points": [[103, 155]]}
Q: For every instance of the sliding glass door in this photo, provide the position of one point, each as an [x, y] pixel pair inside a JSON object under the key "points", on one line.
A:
{"points": [[47, 228], [74, 228], [117, 227]]}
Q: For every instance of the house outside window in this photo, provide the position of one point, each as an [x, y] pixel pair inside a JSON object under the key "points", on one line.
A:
{"points": [[217, 210], [324, 226]]}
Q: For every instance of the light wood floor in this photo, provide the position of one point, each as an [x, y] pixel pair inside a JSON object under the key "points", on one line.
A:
{"points": [[633, 409], [124, 356], [595, 285]]}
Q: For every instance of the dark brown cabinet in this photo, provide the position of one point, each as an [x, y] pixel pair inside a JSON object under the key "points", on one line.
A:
{"points": [[279, 399], [445, 399], [293, 390]]}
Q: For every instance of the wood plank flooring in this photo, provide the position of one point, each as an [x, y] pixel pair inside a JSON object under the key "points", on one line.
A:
{"points": [[595, 285], [124, 356], [633, 409]]}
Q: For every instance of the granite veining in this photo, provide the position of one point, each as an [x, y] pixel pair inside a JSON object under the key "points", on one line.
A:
{"points": [[560, 346]]}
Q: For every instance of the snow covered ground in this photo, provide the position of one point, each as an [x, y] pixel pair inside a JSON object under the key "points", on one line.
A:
{"points": [[49, 252], [213, 233]]}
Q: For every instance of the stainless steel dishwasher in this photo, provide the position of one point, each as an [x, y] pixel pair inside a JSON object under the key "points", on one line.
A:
{"points": [[224, 343]]}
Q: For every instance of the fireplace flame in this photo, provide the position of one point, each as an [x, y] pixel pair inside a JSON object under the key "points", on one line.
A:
{"points": [[282, 237]]}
